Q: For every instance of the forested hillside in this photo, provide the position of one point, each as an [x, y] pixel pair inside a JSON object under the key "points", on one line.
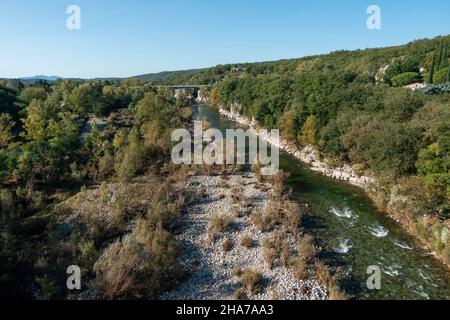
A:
{"points": [[351, 105]]}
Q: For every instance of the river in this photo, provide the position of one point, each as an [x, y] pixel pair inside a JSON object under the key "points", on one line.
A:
{"points": [[355, 235]]}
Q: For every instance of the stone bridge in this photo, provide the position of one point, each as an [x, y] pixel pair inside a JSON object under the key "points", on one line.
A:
{"points": [[189, 91]]}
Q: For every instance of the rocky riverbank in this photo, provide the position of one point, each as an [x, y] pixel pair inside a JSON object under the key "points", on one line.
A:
{"points": [[308, 154], [211, 267], [311, 156]]}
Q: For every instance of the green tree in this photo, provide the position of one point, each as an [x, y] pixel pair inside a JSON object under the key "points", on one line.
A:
{"points": [[406, 78], [6, 126], [448, 75], [39, 115], [309, 131], [33, 93], [134, 156], [433, 66], [441, 76]]}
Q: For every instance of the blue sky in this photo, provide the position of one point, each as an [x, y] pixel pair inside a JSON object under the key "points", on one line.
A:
{"points": [[124, 38]]}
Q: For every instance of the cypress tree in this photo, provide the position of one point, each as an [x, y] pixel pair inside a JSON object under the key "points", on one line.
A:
{"points": [[441, 53], [445, 57], [448, 74], [431, 74]]}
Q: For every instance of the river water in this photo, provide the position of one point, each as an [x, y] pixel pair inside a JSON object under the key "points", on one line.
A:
{"points": [[355, 235]]}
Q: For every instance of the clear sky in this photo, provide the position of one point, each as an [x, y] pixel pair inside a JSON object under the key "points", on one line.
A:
{"points": [[130, 37]]}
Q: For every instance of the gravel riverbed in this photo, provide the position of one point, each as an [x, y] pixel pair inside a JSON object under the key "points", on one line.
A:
{"points": [[210, 270]]}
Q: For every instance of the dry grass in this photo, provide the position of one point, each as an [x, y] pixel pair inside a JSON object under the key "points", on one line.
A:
{"points": [[251, 281], [324, 275], [140, 264], [219, 223], [300, 269], [306, 247], [227, 245], [236, 194], [266, 221], [285, 254], [240, 294], [247, 242], [223, 183], [270, 257]]}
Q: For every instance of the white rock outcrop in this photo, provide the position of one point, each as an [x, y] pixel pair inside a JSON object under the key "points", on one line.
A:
{"points": [[308, 154]]}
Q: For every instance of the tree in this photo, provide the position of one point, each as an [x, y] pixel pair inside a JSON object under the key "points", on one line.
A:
{"points": [[445, 57], [134, 156], [441, 76], [31, 93], [7, 102], [389, 149], [401, 104], [39, 114], [6, 126], [288, 125], [448, 75], [433, 66], [406, 78], [399, 67], [441, 55], [309, 131]]}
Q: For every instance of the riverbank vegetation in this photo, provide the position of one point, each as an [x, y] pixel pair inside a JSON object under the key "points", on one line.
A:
{"points": [[86, 180], [352, 106]]}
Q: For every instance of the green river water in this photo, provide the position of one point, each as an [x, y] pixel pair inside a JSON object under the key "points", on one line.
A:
{"points": [[355, 234]]}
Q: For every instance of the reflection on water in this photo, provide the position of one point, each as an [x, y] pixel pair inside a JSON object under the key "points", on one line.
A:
{"points": [[356, 234]]}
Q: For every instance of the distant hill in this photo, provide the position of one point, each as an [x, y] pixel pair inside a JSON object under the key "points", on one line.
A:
{"points": [[166, 75], [41, 77]]}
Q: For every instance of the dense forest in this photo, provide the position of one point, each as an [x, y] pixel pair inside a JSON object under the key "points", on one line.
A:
{"points": [[353, 107]]}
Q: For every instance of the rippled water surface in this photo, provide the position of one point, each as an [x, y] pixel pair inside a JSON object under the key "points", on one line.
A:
{"points": [[357, 235]]}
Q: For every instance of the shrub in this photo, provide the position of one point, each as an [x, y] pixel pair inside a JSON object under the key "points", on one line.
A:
{"points": [[227, 245], [272, 248], [446, 254], [237, 272], [251, 281], [292, 218], [335, 293], [89, 253], [285, 254], [239, 294], [162, 214], [116, 269], [306, 247], [236, 195], [223, 183], [300, 269], [406, 78], [220, 223], [268, 220], [270, 257], [141, 264], [6, 204], [105, 193], [435, 89], [324, 275], [247, 242]]}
